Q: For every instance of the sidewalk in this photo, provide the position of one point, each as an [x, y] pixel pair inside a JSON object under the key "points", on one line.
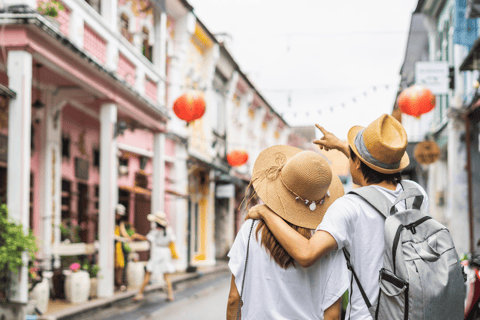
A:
{"points": [[58, 310]]}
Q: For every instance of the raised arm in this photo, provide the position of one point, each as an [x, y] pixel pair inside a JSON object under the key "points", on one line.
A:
{"points": [[330, 141], [304, 251]]}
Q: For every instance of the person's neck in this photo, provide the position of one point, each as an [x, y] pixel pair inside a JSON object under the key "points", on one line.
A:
{"points": [[384, 184]]}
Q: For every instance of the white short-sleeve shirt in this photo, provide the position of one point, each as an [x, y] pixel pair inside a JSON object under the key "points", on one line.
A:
{"points": [[356, 225], [271, 292]]}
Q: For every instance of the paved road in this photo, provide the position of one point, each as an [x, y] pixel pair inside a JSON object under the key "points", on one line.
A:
{"points": [[204, 298], [209, 304]]}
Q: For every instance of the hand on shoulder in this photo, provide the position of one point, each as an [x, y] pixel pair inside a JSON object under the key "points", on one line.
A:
{"points": [[258, 212]]}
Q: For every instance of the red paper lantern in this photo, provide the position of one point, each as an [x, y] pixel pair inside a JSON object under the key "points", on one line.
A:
{"points": [[237, 158], [416, 101], [190, 106]]}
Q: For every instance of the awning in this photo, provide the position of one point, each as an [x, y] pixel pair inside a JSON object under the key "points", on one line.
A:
{"points": [[472, 61], [136, 189], [175, 193]]}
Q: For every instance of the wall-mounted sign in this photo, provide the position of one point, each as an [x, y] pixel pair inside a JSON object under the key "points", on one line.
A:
{"points": [[433, 75], [81, 168], [225, 191]]}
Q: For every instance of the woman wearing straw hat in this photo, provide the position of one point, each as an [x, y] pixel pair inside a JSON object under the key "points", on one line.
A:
{"points": [[377, 156], [121, 236], [298, 186], [160, 254]]}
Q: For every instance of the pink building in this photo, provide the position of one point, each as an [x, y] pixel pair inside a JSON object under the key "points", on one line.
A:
{"points": [[87, 127]]}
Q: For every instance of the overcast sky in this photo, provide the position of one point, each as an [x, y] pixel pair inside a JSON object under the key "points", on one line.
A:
{"points": [[310, 57]]}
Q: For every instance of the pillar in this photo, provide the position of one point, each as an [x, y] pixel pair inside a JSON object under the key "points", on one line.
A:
{"points": [[19, 71], [158, 191], [50, 177], [108, 198], [181, 205]]}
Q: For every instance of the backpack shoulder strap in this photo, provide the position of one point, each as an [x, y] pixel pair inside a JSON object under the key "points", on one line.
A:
{"points": [[375, 198]]}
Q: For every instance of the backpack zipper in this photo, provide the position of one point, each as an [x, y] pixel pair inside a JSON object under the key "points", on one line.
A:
{"points": [[412, 227]]}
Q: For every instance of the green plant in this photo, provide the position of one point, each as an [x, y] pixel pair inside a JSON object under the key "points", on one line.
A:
{"points": [[91, 269], [13, 242], [50, 8]]}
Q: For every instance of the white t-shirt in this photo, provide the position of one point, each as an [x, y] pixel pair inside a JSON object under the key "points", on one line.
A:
{"points": [[355, 224], [271, 292]]}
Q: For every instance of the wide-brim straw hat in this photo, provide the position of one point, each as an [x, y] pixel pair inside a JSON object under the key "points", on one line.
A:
{"points": [[120, 209], [297, 185], [381, 145], [159, 218]]}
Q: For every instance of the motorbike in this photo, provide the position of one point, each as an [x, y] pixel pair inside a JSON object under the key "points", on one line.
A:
{"points": [[472, 303]]}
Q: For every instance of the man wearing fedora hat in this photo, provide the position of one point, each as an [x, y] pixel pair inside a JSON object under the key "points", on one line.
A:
{"points": [[377, 155]]}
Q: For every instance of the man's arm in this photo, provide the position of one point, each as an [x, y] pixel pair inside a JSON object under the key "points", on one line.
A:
{"points": [[334, 311], [330, 141], [233, 300], [303, 250]]}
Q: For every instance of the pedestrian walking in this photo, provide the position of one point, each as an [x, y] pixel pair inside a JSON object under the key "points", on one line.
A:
{"points": [[377, 155], [121, 236], [160, 239], [267, 283]]}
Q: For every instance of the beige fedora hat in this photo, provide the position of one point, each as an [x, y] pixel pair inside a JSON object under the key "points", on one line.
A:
{"points": [[381, 145], [159, 218], [297, 185]]}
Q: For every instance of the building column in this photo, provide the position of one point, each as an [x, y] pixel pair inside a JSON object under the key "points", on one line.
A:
{"points": [[18, 173], [160, 52], [181, 206], [50, 176], [457, 196], [210, 220], [158, 176], [108, 198]]}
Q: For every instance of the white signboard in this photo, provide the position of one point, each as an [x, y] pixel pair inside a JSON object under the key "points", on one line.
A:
{"points": [[225, 191], [433, 75]]}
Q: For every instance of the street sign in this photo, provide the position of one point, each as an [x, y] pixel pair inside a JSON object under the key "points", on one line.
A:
{"points": [[225, 191], [433, 75]]}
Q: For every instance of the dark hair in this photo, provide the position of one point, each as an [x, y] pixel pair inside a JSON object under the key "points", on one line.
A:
{"points": [[372, 176], [160, 226]]}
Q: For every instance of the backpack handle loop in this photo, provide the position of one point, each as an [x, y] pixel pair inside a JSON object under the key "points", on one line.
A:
{"points": [[410, 193]]}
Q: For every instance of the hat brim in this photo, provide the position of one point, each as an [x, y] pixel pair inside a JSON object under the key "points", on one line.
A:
{"points": [[280, 200], [352, 134], [156, 219]]}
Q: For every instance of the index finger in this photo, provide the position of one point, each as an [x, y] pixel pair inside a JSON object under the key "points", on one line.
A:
{"points": [[321, 129]]}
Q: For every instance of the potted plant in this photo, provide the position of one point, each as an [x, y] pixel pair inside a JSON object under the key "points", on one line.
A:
{"points": [[77, 284], [13, 242], [92, 272], [50, 9], [39, 288]]}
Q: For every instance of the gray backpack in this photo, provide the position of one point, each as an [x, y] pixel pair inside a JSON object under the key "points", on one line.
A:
{"points": [[421, 276]]}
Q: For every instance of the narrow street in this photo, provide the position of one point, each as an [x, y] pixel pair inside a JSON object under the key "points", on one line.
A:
{"points": [[194, 299]]}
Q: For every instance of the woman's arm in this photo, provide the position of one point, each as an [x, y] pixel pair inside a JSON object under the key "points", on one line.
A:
{"points": [[233, 300], [123, 231], [334, 311], [303, 250]]}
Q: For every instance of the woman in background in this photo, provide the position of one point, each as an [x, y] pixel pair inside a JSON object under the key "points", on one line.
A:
{"points": [[160, 254]]}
